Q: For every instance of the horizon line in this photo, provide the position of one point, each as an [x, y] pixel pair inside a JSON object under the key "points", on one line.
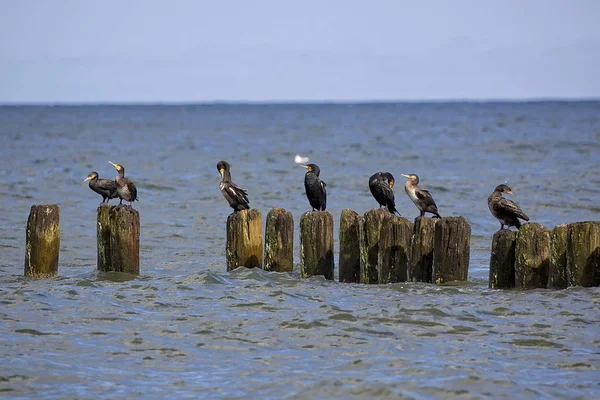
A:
{"points": [[298, 102]]}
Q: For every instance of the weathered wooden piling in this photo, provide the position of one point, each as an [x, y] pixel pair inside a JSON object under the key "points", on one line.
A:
{"points": [[118, 239], [502, 260], [316, 244], [244, 239], [369, 246], [452, 244], [420, 266], [42, 241], [583, 253], [349, 235], [532, 256], [557, 267], [394, 249], [279, 241]]}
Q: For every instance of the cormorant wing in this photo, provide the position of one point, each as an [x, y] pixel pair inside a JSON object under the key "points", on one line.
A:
{"points": [[510, 206], [324, 191], [425, 196], [107, 184]]}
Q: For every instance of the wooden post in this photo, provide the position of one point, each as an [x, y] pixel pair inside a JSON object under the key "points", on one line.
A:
{"points": [[279, 241], [369, 248], [316, 244], [532, 254], [502, 260], [244, 239], [118, 239], [349, 261], [394, 249], [451, 250], [557, 268], [583, 253], [42, 241], [420, 266]]}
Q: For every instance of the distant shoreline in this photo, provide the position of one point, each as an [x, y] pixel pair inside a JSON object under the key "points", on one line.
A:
{"points": [[296, 102]]}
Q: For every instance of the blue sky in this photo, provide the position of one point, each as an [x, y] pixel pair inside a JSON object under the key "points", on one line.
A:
{"points": [[204, 51]]}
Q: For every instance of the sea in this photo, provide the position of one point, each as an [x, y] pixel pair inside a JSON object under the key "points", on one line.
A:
{"points": [[187, 328]]}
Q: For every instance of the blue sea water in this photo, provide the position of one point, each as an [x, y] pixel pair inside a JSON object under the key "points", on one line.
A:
{"points": [[187, 328]]}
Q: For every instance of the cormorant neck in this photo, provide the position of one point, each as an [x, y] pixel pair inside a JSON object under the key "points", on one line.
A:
{"points": [[226, 176]]}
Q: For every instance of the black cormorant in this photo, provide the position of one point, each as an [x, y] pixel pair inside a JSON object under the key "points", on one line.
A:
{"points": [[381, 185], [107, 188], [505, 210], [316, 191], [235, 196], [126, 190], [421, 197]]}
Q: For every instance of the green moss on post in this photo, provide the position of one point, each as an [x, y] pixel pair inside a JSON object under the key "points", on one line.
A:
{"points": [[583, 253], [557, 268], [394, 249], [532, 256], [118, 239], [279, 241], [316, 244], [502, 260], [452, 244], [369, 248], [420, 266], [349, 261], [244, 239], [42, 241]]}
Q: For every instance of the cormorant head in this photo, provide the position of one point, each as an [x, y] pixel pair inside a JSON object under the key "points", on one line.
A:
{"points": [[412, 177], [222, 167], [312, 168], [92, 175], [390, 179], [503, 189], [118, 167]]}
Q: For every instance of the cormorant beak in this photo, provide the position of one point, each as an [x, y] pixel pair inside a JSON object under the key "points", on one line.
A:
{"points": [[406, 176], [114, 165], [87, 179], [510, 192], [391, 184], [221, 172], [307, 167]]}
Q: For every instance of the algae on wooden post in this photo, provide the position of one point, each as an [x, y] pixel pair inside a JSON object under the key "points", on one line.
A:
{"points": [[583, 253], [316, 244], [349, 261], [42, 241], [502, 260], [452, 244], [244, 239], [369, 248], [118, 239], [279, 241], [394, 249], [420, 266], [557, 268], [103, 237], [532, 253]]}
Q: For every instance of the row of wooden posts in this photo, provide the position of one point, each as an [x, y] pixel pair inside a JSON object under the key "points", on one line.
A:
{"points": [[375, 248]]}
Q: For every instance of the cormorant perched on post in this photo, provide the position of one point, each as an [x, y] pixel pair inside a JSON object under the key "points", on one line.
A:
{"points": [[421, 197], [505, 210], [235, 195], [316, 191], [126, 190], [381, 184], [107, 188]]}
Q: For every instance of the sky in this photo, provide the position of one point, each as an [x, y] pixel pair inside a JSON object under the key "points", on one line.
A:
{"points": [[180, 51]]}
